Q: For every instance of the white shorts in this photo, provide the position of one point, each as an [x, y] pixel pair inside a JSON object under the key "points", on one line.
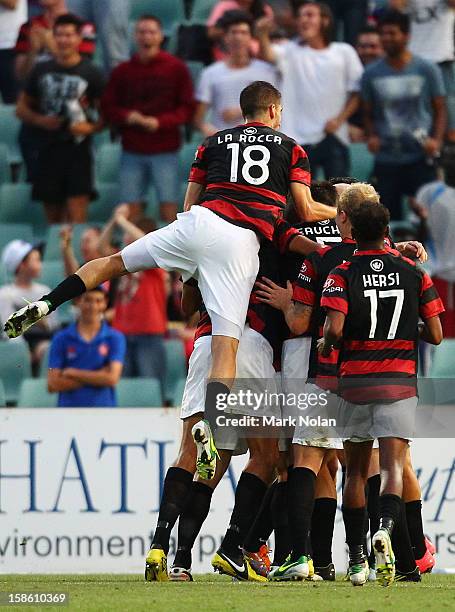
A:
{"points": [[222, 257], [363, 422], [319, 435], [254, 361]]}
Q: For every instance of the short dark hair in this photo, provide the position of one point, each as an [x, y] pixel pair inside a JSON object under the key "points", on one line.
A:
{"points": [[258, 96], [69, 19], [150, 17], [233, 18], [324, 192], [396, 18], [325, 12], [368, 29], [347, 180], [369, 221], [448, 163]]}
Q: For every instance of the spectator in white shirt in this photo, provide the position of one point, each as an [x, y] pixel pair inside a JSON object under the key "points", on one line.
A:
{"points": [[220, 84], [320, 85], [13, 13]]}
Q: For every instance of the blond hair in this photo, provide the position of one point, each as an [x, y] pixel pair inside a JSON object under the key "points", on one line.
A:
{"points": [[355, 195]]}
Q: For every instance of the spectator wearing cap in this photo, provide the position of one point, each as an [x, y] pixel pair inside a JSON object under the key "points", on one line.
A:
{"points": [[148, 99], [22, 261], [86, 358]]}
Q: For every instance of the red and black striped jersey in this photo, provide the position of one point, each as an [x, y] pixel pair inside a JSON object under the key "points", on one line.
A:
{"points": [[246, 172], [383, 295], [308, 290]]}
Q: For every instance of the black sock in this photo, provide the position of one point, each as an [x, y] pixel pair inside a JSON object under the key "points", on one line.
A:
{"points": [[415, 527], [301, 488], [389, 511], [72, 287], [249, 494], [401, 544], [354, 524], [191, 520], [280, 518], [214, 388], [322, 524], [175, 491], [262, 527], [374, 484]]}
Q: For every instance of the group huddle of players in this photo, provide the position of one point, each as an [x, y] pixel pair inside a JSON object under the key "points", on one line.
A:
{"points": [[340, 306], [289, 485]]}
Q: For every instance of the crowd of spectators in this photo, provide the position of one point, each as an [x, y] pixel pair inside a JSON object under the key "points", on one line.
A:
{"points": [[376, 74]]}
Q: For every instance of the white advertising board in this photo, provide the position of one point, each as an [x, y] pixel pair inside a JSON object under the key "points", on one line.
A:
{"points": [[79, 491]]}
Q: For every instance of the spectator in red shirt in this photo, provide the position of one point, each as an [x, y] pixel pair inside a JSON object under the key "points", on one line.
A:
{"points": [[148, 98], [36, 42], [140, 306]]}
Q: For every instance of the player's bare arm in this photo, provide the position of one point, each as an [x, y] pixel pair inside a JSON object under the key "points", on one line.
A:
{"points": [[333, 331], [431, 331], [296, 314], [307, 208], [192, 195], [191, 298]]}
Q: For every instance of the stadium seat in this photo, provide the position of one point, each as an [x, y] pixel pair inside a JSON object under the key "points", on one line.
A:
{"points": [[2, 395], [53, 273], [186, 158], [443, 364], [14, 367], [5, 168], [9, 132], [362, 161], [16, 206], [175, 366], [101, 208], [52, 252], [108, 163], [14, 231], [202, 9], [34, 394], [168, 11], [195, 69], [139, 393]]}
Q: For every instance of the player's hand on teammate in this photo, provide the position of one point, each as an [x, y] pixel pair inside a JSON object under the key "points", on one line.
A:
{"points": [[415, 249], [272, 294], [323, 349], [432, 147]]}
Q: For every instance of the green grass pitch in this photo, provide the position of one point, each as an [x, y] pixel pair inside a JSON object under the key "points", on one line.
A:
{"points": [[209, 592]]}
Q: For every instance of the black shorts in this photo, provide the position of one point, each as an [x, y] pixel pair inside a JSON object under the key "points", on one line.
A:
{"points": [[64, 170], [395, 181]]}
